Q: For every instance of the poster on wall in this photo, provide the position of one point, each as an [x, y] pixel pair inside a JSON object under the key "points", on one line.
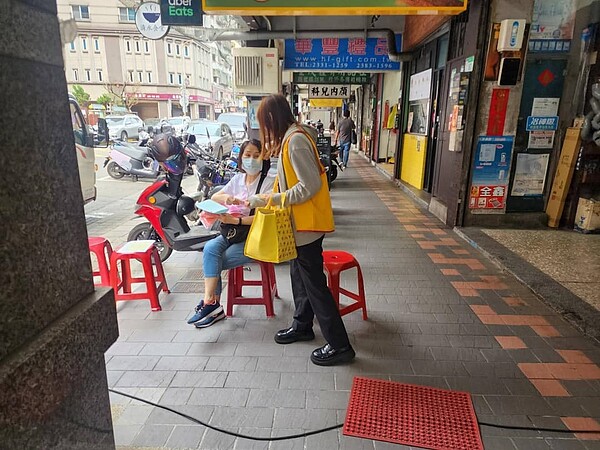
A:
{"points": [[530, 175], [541, 139], [489, 184], [418, 102], [498, 108], [552, 26]]}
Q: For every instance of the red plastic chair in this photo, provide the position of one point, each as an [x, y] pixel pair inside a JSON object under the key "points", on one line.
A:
{"points": [[236, 282], [146, 253], [100, 247], [335, 262]]}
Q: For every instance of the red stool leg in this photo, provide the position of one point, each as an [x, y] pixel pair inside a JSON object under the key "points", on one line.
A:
{"points": [[266, 289], [103, 264], [231, 291], [160, 273], [361, 293], [150, 282], [126, 275], [114, 273], [273, 280]]}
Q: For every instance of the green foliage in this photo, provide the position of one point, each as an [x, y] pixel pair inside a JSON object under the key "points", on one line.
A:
{"points": [[104, 99], [80, 95]]}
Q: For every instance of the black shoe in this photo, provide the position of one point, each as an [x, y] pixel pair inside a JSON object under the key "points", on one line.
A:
{"points": [[290, 335], [329, 356]]}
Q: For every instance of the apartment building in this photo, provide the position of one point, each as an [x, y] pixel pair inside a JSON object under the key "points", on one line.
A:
{"points": [[109, 54]]}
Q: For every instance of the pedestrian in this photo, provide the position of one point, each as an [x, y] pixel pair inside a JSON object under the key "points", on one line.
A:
{"points": [[226, 251], [299, 177], [343, 135]]}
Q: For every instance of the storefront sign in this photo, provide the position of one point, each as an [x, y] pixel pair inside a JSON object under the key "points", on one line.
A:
{"points": [[350, 54], [530, 175], [331, 78], [328, 91], [181, 12], [498, 108], [420, 85], [490, 173], [148, 21], [541, 139], [541, 123], [333, 7], [192, 98], [552, 26]]}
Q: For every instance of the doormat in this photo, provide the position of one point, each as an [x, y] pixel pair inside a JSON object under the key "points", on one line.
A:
{"points": [[412, 415]]}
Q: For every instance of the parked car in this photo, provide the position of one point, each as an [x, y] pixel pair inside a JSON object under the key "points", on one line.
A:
{"points": [[212, 134], [237, 123], [179, 124], [124, 127]]}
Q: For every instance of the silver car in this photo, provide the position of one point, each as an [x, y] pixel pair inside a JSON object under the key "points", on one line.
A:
{"points": [[212, 134], [124, 127]]}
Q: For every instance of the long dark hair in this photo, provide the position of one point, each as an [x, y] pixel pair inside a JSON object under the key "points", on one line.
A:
{"points": [[274, 117]]}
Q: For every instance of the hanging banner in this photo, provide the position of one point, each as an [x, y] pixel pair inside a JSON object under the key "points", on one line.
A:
{"points": [[331, 78], [498, 108], [328, 91], [552, 26], [490, 173], [333, 7], [340, 55]]}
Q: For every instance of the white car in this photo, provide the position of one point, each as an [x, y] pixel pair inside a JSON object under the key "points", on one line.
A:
{"points": [[179, 124], [124, 127], [212, 134]]}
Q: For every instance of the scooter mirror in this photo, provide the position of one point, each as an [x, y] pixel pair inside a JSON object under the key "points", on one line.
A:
{"points": [[191, 139]]}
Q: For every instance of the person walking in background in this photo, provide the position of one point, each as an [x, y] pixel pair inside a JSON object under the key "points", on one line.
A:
{"points": [[299, 177], [343, 135]]}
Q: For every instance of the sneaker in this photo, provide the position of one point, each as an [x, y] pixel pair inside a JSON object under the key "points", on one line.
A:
{"points": [[203, 311], [210, 320]]}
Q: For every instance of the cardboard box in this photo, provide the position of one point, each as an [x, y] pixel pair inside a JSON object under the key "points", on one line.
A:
{"points": [[563, 176], [587, 218]]}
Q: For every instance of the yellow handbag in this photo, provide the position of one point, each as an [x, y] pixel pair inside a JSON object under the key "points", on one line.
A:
{"points": [[271, 238]]}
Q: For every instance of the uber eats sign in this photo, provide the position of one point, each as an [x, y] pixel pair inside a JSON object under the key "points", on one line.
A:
{"points": [[181, 12]]}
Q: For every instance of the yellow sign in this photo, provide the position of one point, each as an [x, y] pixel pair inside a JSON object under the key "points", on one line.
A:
{"points": [[326, 102], [333, 7]]}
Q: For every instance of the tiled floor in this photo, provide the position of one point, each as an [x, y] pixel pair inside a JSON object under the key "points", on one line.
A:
{"points": [[572, 259], [440, 315]]}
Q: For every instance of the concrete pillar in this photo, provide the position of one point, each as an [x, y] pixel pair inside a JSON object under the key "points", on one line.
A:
{"points": [[54, 328]]}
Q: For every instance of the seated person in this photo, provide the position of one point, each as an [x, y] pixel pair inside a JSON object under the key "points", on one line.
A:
{"points": [[227, 250]]}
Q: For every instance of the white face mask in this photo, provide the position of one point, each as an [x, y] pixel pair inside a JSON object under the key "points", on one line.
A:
{"points": [[251, 166]]}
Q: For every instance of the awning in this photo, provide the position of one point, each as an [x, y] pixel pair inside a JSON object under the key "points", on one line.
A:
{"points": [[326, 102]]}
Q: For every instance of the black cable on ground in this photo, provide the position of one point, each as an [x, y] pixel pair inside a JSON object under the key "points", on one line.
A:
{"points": [[323, 430]]}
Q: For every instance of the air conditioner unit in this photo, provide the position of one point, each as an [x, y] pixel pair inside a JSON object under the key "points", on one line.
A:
{"points": [[256, 71]]}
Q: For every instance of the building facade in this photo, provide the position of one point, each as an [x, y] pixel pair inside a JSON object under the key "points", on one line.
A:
{"points": [[110, 56]]}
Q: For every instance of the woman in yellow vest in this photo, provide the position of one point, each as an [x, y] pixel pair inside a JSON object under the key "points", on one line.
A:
{"points": [[302, 178]]}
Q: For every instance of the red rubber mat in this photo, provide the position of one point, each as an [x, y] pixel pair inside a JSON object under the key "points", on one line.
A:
{"points": [[412, 415]]}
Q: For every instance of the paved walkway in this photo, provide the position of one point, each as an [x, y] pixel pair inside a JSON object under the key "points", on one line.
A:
{"points": [[439, 315]]}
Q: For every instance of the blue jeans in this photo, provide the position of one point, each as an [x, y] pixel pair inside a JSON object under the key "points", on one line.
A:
{"points": [[345, 151], [219, 255]]}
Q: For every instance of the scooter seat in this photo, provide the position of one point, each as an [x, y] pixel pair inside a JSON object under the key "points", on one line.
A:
{"points": [[139, 153]]}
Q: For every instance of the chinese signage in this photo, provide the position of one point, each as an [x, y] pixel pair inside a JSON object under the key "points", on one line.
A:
{"points": [[331, 78], [327, 91], [541, 123], [333, 7], [498, 108], [420, 85], [338, 54], [490, 173], [552, 26], [148, 21], [181, 12], [192, 98]]}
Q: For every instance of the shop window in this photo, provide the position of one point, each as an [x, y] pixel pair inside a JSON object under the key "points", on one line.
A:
{"points": [[80, 12]]}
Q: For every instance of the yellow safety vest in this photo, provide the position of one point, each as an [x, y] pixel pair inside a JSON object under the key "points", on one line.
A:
{"points": [[316, 213]]}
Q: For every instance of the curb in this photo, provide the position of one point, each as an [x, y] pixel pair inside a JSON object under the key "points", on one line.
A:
{"points": [[572, 308]]}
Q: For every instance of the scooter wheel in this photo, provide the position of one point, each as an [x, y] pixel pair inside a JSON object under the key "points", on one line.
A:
{"points": [[145, 231], [114, 170]]}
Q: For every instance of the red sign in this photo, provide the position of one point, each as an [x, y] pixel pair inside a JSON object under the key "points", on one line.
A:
{"points": [[498, 107], [487, 197], [192, 98]]}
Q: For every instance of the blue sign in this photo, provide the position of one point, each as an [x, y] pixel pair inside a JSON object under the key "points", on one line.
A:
{"points": [[549, 45], [539, 123], [335, 54]]}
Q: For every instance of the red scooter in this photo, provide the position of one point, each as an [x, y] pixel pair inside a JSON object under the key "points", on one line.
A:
{"points": [[165, 206]]}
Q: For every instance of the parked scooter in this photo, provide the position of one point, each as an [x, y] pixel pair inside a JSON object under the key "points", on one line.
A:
{"points": [[165, 206], [128, 159]]}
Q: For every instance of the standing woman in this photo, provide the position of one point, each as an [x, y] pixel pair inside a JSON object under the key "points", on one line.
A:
{"points": [[299, 177]]}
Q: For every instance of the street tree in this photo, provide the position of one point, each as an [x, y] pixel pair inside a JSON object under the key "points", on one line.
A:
{"points": [[123, 93], [80, 95], [104, 100]]}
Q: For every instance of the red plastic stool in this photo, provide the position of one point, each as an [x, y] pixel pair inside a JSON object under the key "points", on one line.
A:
{"points": [[146, 253], [335, 262], [236, 282], [100, 247]]}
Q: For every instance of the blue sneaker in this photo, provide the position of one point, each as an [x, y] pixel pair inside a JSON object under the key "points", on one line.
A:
{"points": [[202, 310], [210, 320]]}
